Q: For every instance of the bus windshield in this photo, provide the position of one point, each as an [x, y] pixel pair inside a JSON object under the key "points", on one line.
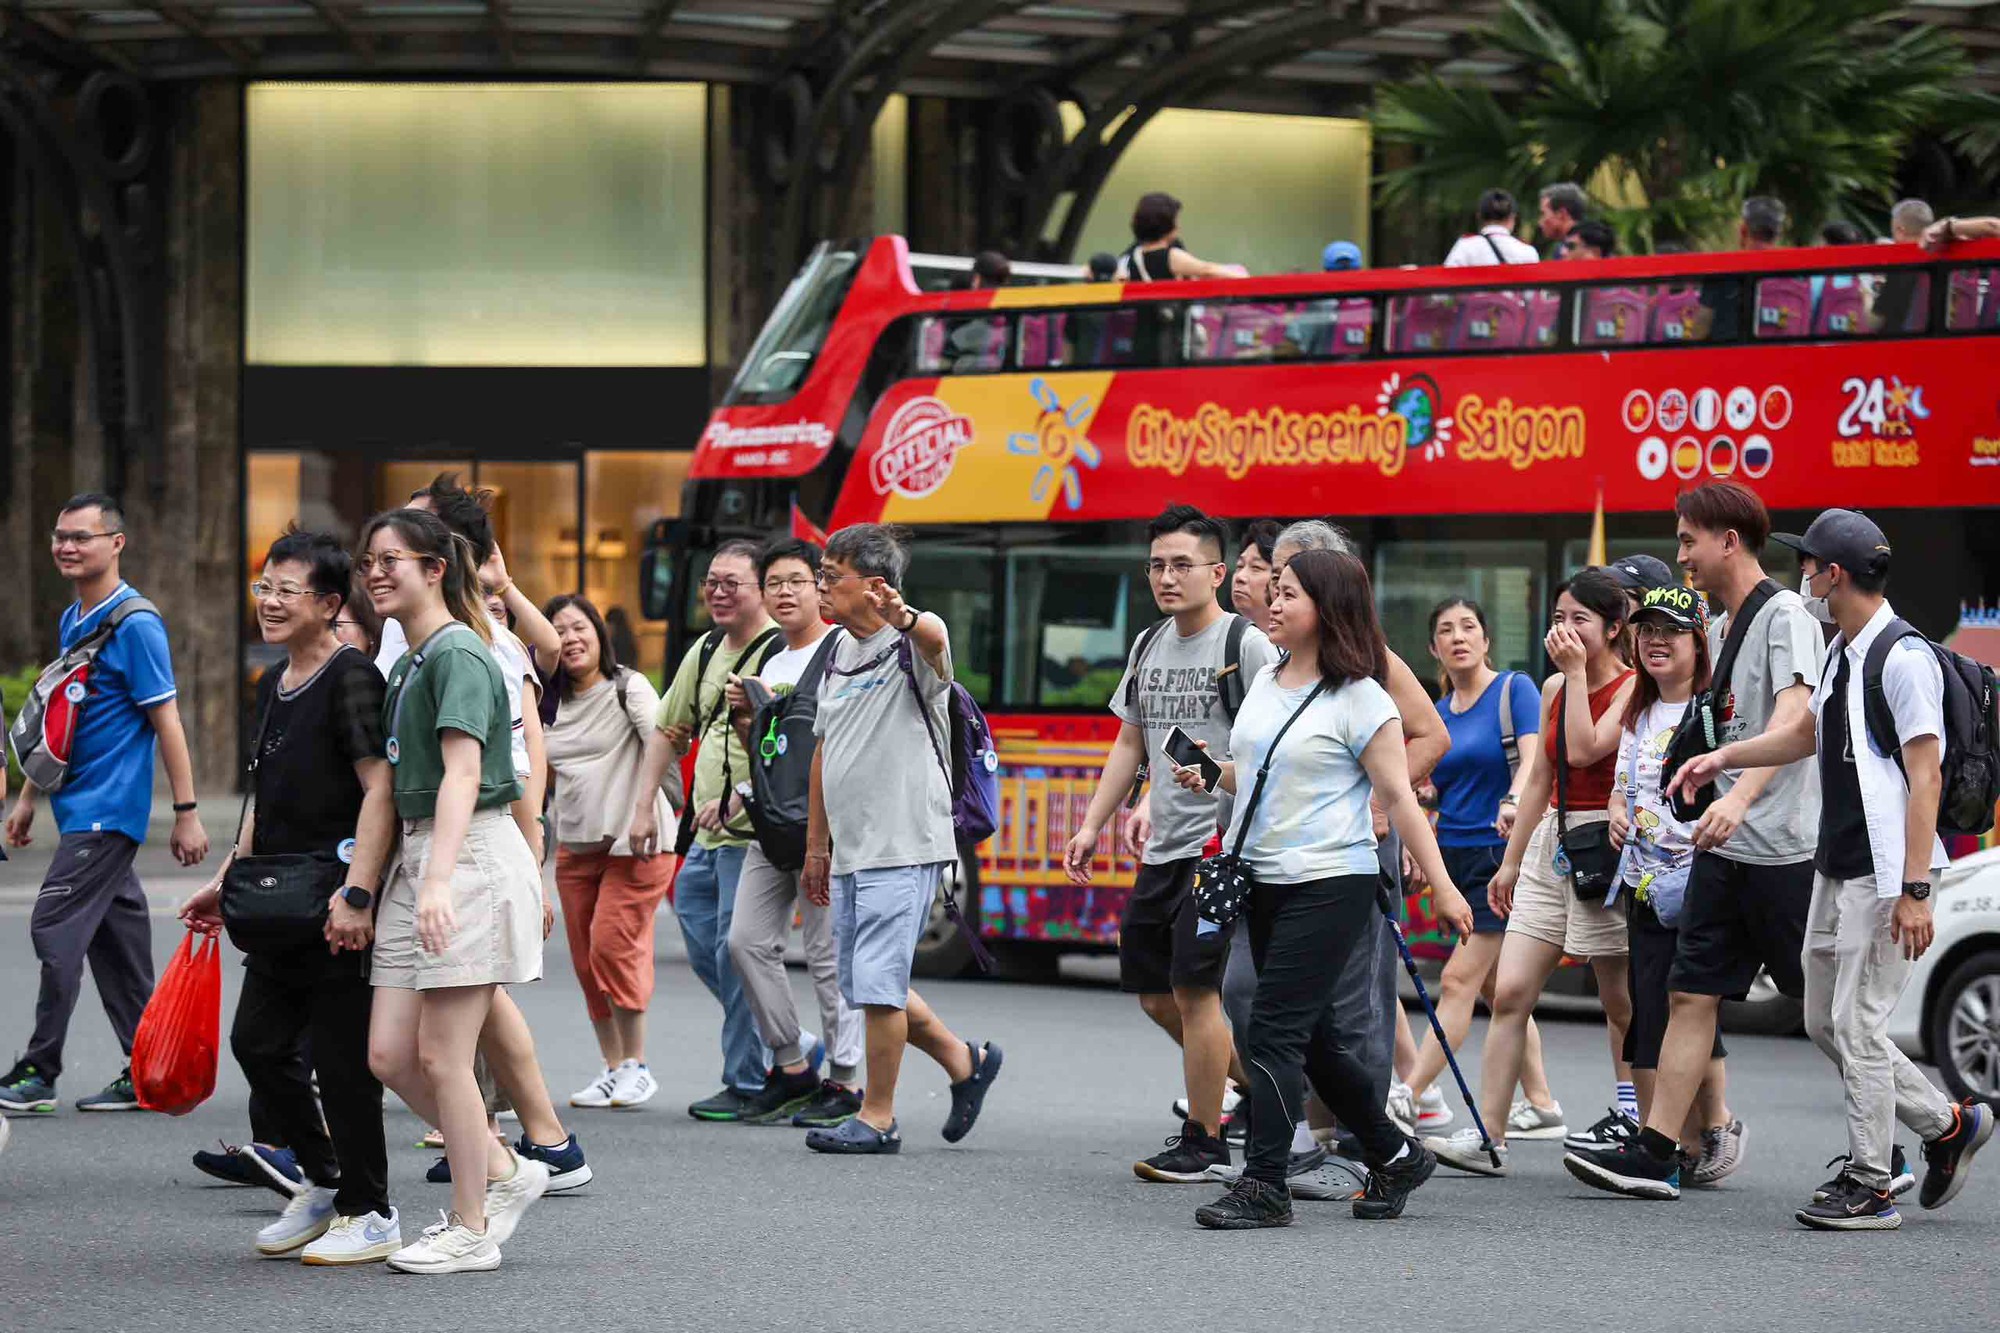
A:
{"points": [[798, 326]]}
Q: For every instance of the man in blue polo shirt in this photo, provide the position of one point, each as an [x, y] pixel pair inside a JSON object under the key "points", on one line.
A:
{"points": [[91, 906]]}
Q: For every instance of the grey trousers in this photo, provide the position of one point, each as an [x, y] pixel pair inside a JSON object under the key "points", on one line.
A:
{"points": [[90, 907], [1854, 975], [765, 899]]}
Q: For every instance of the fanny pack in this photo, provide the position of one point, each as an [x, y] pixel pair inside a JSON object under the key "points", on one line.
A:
{"points": [[1222, 884], [1583, 853]]}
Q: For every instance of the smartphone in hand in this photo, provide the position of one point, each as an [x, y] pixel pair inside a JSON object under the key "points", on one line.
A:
{"points": [[1181, 748]]}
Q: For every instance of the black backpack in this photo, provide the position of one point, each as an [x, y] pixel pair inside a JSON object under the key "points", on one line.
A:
{"points": [[1971, 723], [781, 754]]}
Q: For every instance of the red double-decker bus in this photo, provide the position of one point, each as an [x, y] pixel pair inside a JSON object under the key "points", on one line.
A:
{"points": [[1465, 424]]}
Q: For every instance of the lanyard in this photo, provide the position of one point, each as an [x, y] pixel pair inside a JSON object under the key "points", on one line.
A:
{"points": [[394, 747]]}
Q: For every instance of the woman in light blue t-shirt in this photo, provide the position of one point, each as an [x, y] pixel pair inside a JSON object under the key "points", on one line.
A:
{"points": [[1309, 846]]}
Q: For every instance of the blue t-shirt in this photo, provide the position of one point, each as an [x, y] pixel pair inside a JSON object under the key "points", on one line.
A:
{"points": [[110, 785], [1473, 776]]}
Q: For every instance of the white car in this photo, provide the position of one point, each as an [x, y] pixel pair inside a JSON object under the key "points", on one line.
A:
{"points": [[1949, 1015]]}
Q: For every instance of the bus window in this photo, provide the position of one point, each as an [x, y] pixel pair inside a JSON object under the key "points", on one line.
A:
{"points": [[1502, 321], [1281, 330], [1507, 578], [1422, 323], [1844, 305], [791, 338], [961, 344], [956, 581], [1972, 300], [1614, 316], [1072, 614]]}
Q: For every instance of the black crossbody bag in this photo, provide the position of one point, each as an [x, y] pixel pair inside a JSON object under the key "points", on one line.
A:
{"points": [[276, 904], [1586, 849], [1222, 884]]}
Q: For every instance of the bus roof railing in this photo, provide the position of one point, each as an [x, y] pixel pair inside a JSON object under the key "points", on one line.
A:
{"points": [[1021, 267]]}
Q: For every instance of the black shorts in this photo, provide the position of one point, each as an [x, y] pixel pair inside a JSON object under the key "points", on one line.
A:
{"points": [[1158, 950], [1652, 959], [1738, 918]]}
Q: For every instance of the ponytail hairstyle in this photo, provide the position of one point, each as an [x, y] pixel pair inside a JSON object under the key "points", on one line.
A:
{"points": [[1478, 614], [423, 534]]}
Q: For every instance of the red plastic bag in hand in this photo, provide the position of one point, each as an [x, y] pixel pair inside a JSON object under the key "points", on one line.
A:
{"points": [[179, 1040]]}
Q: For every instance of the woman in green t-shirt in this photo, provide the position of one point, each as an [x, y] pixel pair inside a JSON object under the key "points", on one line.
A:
{"points": [[461, 911]]}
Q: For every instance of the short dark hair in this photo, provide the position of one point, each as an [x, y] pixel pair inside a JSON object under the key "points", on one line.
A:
{"points": [[872, 550], [1763, 217], [114, 513], [1350, 636], [331, 569], [464, 511], [787, 548], [1727, 506], [1567, 197], [737, 546], [992, 268], [1496, 205], [1103, 266], [1155, 217], [1188, 519], [1261, 533], [1597, 235], [1843, 232], [607, 658]]}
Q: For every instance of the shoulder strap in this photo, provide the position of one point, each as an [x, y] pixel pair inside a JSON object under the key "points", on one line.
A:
{"points": [[1562, 762], [1229, 683], [620, 681], [1146, 637], [1499, 255], [113, 618], [764, 647], [1264, 769], [1875, 711], [1739, 629], [906, 659], [815, 671], [1510, 744], [256, 754]]}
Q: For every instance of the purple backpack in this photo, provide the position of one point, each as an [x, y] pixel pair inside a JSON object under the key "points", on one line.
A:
{"points": [[973, 771]]}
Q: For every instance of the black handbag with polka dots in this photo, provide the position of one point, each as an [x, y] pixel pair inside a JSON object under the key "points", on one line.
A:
{"points": [[1222, 883]]}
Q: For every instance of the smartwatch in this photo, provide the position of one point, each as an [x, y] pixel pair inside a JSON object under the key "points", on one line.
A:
{"points": [[1917, 890], [357, 897]]}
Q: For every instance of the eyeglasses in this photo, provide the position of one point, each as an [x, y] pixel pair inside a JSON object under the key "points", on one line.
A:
{"points": [[1180, 569], [826, 580], [797, 583], [725, 587], [59, 538], [1654, 630], [387, 561], [283, 592]]}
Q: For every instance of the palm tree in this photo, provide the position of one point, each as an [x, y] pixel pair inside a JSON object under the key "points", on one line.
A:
{"points": [[1678, 109]]}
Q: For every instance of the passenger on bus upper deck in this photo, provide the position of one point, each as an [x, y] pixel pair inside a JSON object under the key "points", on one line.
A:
{"points": [[1494, 242], [1157, 254]]}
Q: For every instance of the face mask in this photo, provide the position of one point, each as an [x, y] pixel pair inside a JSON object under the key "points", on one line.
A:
{"points": [[1817, 606]]}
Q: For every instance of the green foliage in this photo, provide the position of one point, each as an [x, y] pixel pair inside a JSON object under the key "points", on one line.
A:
{"points": [[14, 687], [1696, 104]]}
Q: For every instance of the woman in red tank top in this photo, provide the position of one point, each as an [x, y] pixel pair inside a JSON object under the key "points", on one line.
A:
{"points": [[1532, 888]]}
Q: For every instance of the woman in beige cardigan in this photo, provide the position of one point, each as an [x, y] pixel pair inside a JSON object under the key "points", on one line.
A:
{"points": [[609, 896]]}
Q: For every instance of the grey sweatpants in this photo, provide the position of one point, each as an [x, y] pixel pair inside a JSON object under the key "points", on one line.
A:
{"points": [[765, 899], [90, 907]]}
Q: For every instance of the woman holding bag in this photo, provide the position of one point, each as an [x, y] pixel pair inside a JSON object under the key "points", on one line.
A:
{"points": [[1559, 864], [596, 750], [321, 828], [1321, 735]]}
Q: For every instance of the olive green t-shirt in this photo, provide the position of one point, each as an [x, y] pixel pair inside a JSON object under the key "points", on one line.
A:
{"points": [[451, 682], [690, 703]]}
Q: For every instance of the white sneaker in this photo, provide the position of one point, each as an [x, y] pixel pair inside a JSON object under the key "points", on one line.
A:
{"points": [[507, 1199], [304, 1220], [1529, 1121], [1463, 1151], [632, 1084], [357, 1240], [1231, 1099], [1432, 1113], [449, 1246], [598, 1094], [6, 1132], [1402, 1107]]}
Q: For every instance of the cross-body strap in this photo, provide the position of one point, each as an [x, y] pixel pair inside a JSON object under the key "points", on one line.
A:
{"points": [[1562, 763], [1264, 769], [906, 659], [815, 671], [1739, 629], [1499, 255]]}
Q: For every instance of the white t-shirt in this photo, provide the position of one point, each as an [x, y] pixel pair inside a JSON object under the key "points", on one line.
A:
{"points": [[1657, 842], [515, 667], [788, 664], [1313, 821], [1476, 250]]}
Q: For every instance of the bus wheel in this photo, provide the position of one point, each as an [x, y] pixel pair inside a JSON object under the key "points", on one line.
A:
{"points": [[943, 949]]}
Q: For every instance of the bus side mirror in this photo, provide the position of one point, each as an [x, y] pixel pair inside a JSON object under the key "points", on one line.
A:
{"points": [[656, 568]]}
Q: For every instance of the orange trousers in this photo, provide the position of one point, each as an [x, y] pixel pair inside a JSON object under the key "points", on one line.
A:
{"points": [[608, 907]]}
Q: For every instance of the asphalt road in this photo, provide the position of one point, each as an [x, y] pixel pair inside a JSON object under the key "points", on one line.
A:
{"points": [[1035, 1222]]}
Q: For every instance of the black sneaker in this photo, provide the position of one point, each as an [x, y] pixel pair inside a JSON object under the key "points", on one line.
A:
{"points": [[1390, 1186], [726, 1105], [27, 1090], [1949, 1155], [780, 1098], [1187, 1158], [1613, 1129], [118, 1095], [833, 1105], [1627, 1169], [1901, 1179], [1851, 1206], [1250, 1204]]}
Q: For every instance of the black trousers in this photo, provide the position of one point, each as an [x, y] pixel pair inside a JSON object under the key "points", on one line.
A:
{"points": [[282, 1005], [1300, 937]]}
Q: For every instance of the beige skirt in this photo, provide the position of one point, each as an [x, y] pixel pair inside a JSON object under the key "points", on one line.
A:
{"points": [[496, 896]]}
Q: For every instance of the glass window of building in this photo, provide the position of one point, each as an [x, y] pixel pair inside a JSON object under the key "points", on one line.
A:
{"points": [[1507, 578]]}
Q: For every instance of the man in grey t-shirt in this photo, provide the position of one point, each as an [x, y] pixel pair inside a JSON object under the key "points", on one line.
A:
{"points": [[879, 839], [1179, 674]]}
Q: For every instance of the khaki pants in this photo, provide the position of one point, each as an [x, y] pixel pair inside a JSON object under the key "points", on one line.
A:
{"points": [[1854, 975], [765, 898]]}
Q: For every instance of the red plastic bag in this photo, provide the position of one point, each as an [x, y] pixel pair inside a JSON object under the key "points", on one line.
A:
{"points": [[175, 1051]]}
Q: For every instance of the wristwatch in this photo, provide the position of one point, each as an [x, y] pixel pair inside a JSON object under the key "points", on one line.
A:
{"points": [[357, 897], [1917, 890]]}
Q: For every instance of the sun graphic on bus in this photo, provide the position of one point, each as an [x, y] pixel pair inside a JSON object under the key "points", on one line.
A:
{"points": [[1415, 400], [1058, 439]]}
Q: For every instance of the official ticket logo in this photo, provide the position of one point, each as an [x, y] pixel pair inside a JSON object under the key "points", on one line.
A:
{"points": [[918, 448]]}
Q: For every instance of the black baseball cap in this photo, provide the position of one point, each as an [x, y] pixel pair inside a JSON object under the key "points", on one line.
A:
{"points": [[1675, 603], [1637, 573], [1844, 537]]}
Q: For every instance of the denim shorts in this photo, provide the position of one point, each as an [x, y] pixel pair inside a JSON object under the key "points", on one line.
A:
{"points": [[1471, 869], [878, 917]]}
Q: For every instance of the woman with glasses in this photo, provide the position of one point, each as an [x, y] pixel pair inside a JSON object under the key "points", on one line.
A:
{"points": [[596, 750], [321, 787]]}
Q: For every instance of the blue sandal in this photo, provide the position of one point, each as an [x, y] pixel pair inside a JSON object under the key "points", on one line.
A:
{"points": [[969, 1096]]}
